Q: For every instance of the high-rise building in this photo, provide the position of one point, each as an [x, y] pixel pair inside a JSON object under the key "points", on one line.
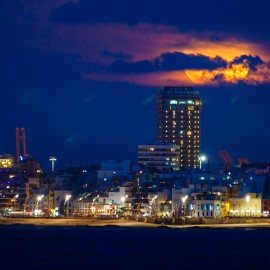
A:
{"points": [[178, 116]]}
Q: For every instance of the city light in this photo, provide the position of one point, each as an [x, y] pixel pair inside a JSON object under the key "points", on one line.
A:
{"points": [[68, 196], [53, 159], [164, 162], [40, 197], [201, 158], [184, 198], [38, 210]]}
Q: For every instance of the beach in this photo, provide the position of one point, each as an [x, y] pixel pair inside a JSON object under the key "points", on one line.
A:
{"points": [[99, 222]]}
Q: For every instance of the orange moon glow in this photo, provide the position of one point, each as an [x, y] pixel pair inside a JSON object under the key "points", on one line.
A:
{"points": [[233, 74]]}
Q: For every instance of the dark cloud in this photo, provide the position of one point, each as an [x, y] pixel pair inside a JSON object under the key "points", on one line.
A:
{"points": [[168, 62], [118, 56], [180, 61], [131, 67], [239, 16], [219, 78], [251, 61]]}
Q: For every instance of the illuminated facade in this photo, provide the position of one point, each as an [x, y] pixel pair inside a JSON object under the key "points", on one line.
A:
{"points": [[248, 206], [206, 208], [178, 116], [6, 161], [163, 156]]}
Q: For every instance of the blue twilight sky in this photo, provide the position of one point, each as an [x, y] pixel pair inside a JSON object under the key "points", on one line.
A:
{"points": [[81, 75]]}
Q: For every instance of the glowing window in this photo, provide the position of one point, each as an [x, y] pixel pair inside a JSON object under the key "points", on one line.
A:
{"points": [[173, 102]]}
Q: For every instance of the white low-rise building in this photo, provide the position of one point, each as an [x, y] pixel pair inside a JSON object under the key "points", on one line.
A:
{"points": [[179, 200], [205, 208], [247, 206]]}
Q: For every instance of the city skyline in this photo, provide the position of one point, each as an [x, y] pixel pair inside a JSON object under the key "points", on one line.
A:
{"points": [[81, 76]]}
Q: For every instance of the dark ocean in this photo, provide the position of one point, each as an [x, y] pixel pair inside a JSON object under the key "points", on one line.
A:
{"points": [[33, 247]]}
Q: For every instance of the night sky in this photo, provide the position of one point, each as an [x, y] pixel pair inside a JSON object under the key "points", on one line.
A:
{"points": [[81, 75]]}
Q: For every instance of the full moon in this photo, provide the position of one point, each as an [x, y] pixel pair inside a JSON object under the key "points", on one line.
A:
{"points": [[232, 74]]}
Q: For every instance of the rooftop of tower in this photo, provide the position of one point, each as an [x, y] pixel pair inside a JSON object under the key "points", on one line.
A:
{"points": [[179, 91]]}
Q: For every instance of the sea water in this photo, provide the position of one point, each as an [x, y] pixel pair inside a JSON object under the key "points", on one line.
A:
{"points": [[112, 247]]}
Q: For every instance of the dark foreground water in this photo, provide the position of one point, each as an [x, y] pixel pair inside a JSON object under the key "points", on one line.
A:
{"points": [[31, 247]]}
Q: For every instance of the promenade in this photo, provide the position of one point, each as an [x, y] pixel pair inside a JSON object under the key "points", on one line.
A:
{"points": [[118, 222]]}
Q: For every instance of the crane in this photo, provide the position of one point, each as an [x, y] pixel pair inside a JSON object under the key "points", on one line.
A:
{"points": [[226, 158]]}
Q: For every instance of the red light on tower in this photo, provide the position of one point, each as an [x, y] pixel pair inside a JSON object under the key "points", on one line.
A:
{"points": [[20, 136]]}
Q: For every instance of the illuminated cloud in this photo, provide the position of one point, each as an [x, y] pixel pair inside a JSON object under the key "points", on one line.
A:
{"points": [[179, 68], [232, 74], [246, 72], [244, 18], [146, 50], [144, 41], [260, 76]]}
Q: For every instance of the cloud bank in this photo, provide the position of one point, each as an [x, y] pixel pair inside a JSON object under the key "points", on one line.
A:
{"points": [[149, 43]]}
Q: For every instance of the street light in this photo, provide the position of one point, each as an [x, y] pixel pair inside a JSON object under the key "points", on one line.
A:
{"points": [[123, 199], [247, 200], [183, 203], [153, 206], [53, 159], [14, 200], [201, 158], [39, 200], [68, 196], [95, 198]]}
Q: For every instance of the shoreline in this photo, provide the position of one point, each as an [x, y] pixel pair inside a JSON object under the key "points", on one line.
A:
{"points": [[82, 222]]}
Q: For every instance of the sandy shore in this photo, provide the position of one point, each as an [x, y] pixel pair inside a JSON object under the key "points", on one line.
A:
{"points": [[115, 222], [74, 222]]}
